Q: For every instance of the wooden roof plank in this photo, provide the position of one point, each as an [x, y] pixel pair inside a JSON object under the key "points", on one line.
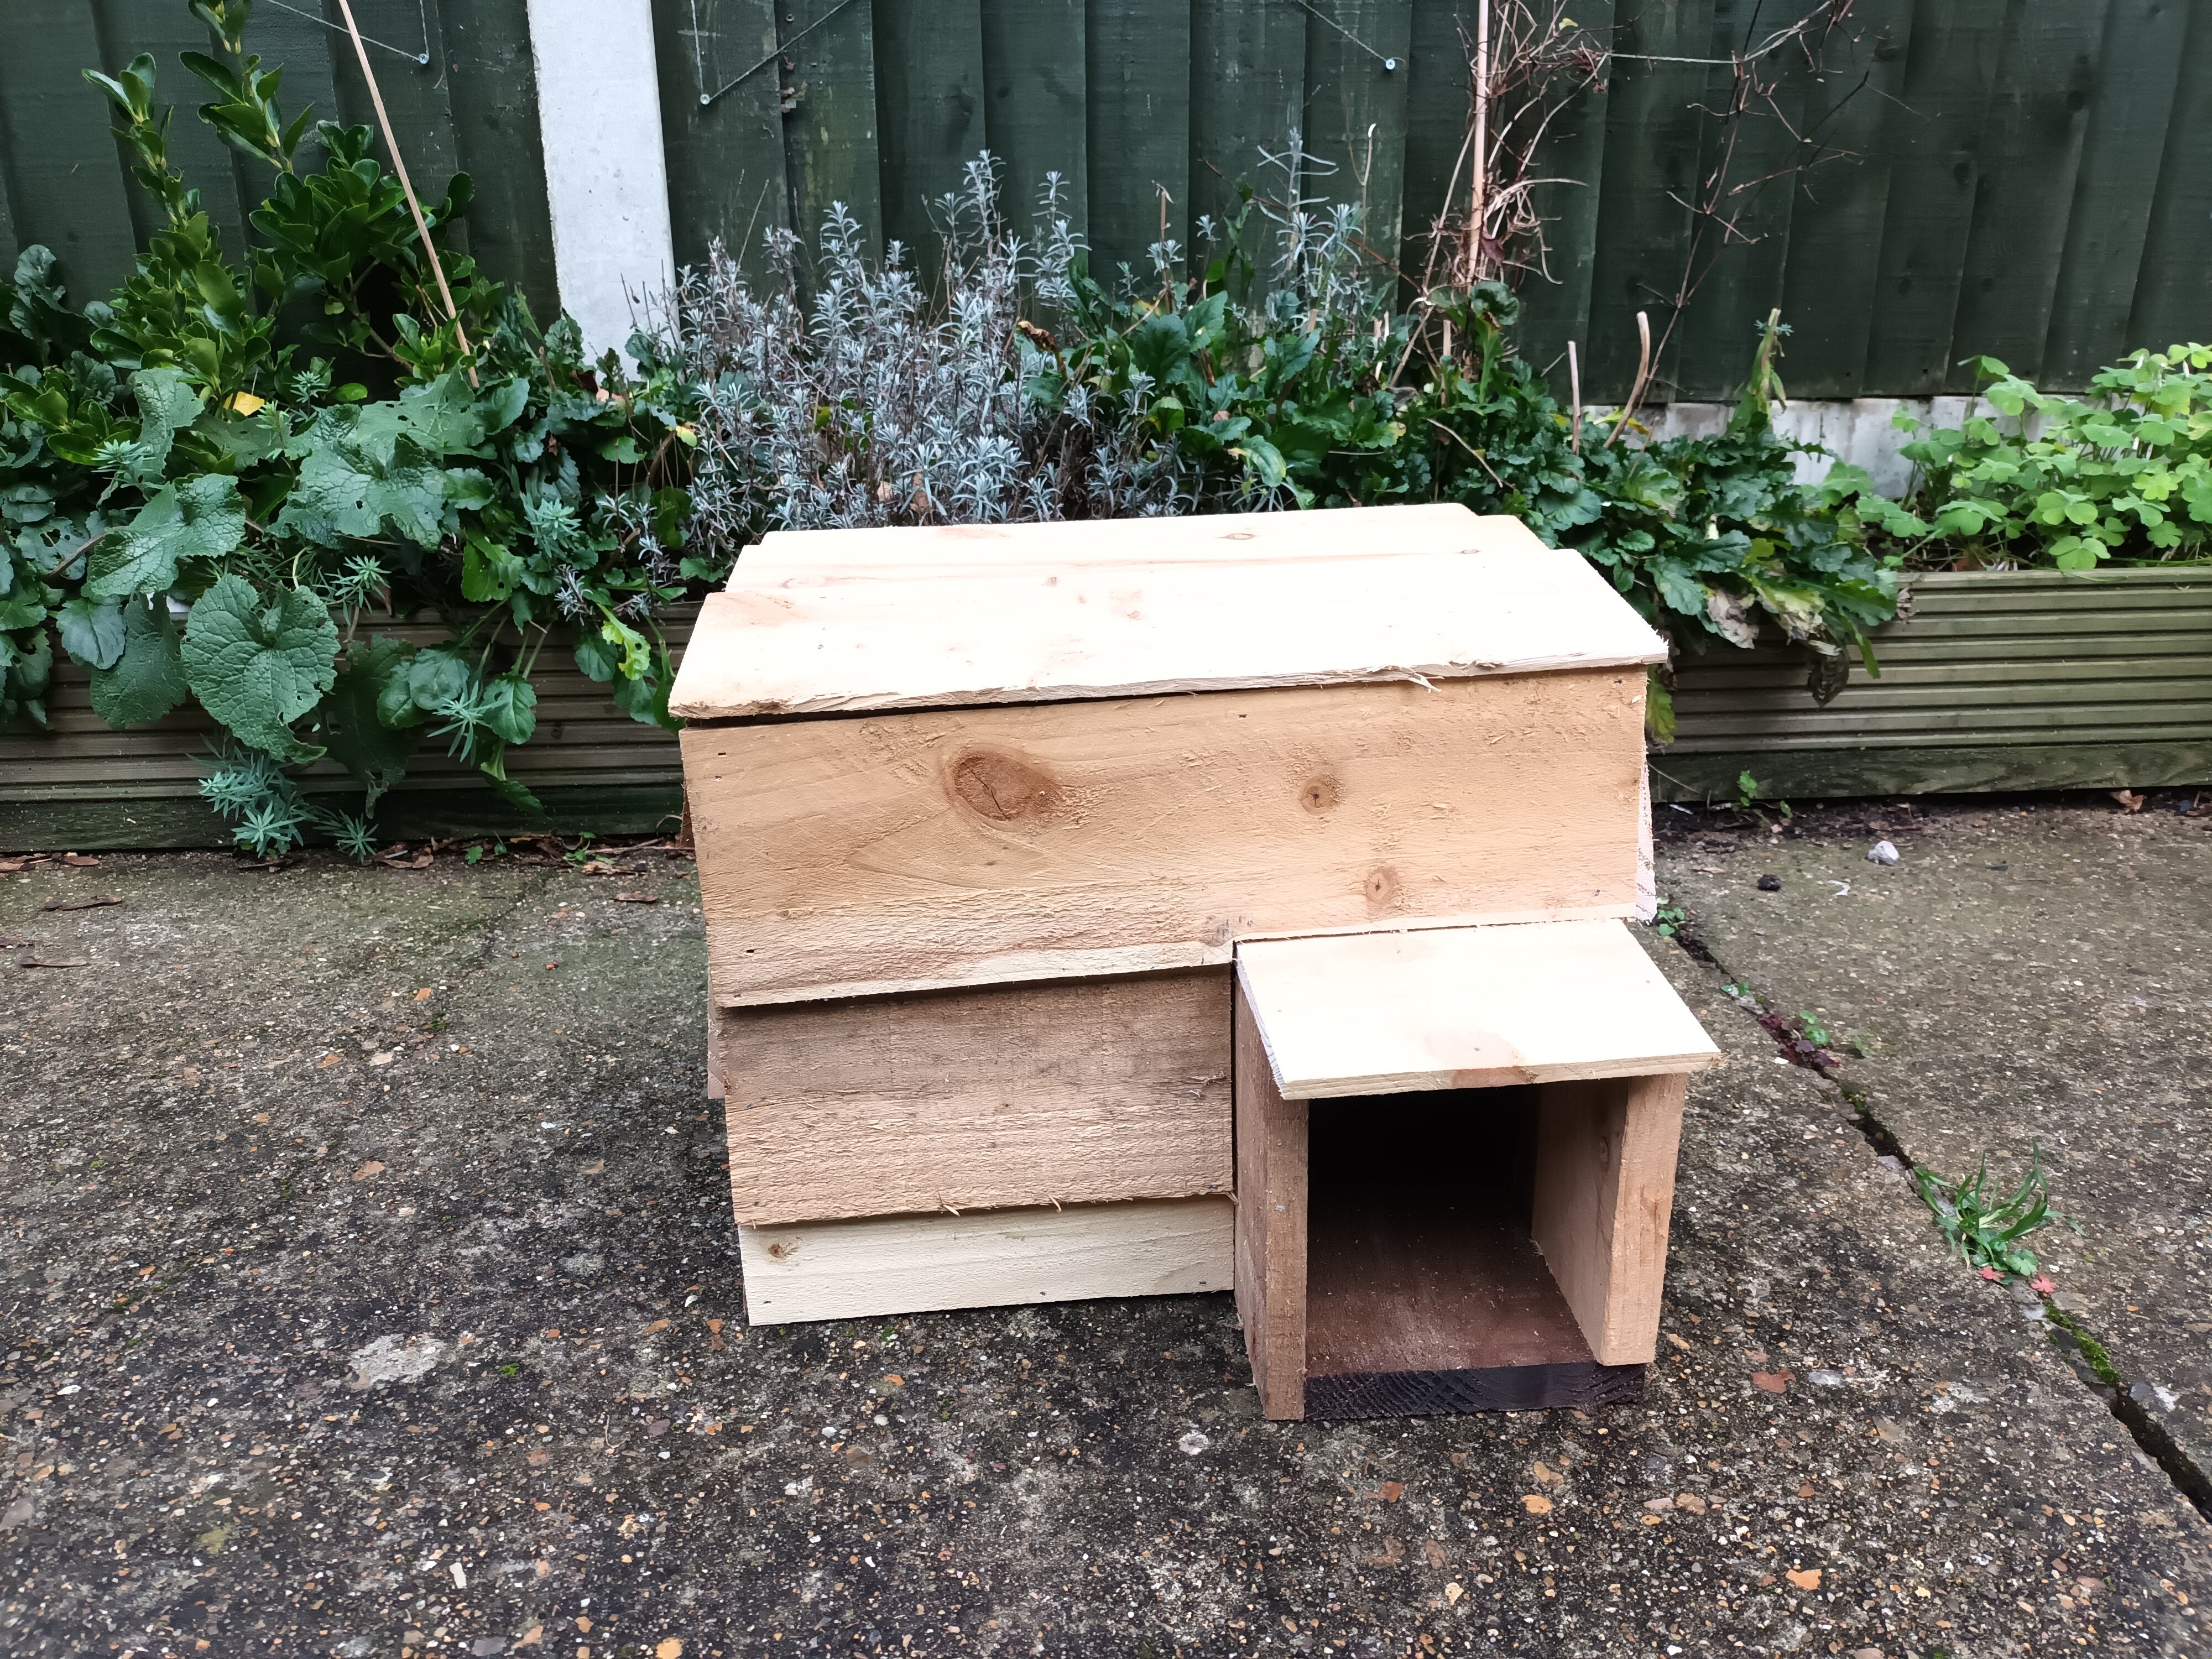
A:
{"points": [[1465, 1007], [1154, 608]]}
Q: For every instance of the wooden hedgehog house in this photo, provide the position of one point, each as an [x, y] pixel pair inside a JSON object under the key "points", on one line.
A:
{"points": [[1152, 907]]}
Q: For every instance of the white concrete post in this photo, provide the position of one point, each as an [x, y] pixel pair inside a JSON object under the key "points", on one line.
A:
{"points": [[606, 173]]}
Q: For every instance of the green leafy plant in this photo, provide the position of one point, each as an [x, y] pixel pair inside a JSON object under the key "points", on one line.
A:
{"points": [[1986, 1231], [1814, 1031], [208, 480], [1668, 918], [2124, 474]]}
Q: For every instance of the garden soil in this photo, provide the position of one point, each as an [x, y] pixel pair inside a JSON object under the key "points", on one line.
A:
{"points": [[370, 1287]]}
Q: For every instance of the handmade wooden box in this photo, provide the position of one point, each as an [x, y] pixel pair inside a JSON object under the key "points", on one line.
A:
{"points": [[984, 815]]}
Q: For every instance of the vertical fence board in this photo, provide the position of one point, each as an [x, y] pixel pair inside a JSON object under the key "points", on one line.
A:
{"points": [[1437, 91], [1137, 58], [2037, 115], [1555, 300], [1737, 269], [830, 134], [1932, 140], [493, 84], [722, 123], [1835, 226], [65, 182], [416, 92], [1653, 139], [2171, 302], [1355, 111], [929, 104], [1035, 84], [1247, 77], [2130, 108]]}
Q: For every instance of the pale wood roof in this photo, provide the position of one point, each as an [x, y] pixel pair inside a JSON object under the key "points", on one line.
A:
{"points": [[824, 621]]}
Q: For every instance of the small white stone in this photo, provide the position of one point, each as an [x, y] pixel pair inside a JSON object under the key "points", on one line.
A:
{"points": [[1881, 853], [1193, 1444]]}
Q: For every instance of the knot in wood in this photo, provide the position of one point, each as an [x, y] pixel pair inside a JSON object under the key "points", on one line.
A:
{"points": [[1002, 787], [1320, 793]]}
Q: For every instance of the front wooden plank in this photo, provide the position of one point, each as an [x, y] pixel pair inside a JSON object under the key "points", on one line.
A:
{"points": [[1605, 1190], [1271, 1226], [920, 1264], [1465, 1008], [848, 857], [1073, 1092]]}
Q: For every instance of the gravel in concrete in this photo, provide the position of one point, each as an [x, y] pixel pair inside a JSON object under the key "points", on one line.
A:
{"points": [[373, 1292], [2024, 977]]}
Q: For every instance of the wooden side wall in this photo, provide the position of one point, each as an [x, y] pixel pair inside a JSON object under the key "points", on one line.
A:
{"points": [[2027, 180]]}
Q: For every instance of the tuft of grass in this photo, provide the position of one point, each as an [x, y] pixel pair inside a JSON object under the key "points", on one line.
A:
{"points": [[1987, 1232]]}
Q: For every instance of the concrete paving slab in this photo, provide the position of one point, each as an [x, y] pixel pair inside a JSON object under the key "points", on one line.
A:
{"points": [[2023, 977], [372, 1290]]}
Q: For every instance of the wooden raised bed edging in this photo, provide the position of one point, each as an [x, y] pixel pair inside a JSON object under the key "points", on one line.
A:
{"points": [[2000, 680], [84, 784]]}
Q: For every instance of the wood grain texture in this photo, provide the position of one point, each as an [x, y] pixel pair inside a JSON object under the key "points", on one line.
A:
{"points": [[1067, 1092], [1605, 1190], [1271, 1226], [1465, 1008], [787, 638], [964, 845], [918, 1264]]}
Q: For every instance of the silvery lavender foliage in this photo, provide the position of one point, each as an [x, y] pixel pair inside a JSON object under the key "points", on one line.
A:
{"points": [[874, 402]]}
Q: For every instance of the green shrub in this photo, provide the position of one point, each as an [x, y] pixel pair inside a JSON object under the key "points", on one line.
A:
{"points": [[2070, 482], [196, 502]]}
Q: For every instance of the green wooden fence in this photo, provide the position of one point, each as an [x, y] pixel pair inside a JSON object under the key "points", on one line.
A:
{"points": [[2024, 178]]}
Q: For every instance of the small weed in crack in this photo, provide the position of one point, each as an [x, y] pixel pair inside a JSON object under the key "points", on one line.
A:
{"points": [[2089, 1358]]}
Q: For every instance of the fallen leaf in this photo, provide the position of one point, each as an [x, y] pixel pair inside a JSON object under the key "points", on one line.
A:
{"points": [[2134, 803], [10, 866], [1690, 1501], [371, 1167], [657, 1325], [637, 898], [672, 1649], [1772, 1382], [78, 904], [80, 861], [423, 995], [1433, 1553], [1677, 1341], [1991, 1274], [261, 1117], [584, 1624], [1536, 1504], [1392, 1491], [2042, 1284], [715, 1326], [536, 1633], [1807, 1580], [1546, 1475], [1452, 1592], [326, 1062], [1394, 1551]]}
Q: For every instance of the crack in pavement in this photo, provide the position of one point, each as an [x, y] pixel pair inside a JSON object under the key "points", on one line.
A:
{"points": [[2103, 1379]]}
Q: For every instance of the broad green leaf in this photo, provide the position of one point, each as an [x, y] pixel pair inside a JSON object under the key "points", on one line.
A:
{"points": [[351, 727], [91, 631], [203, 518], [167, 404], [510, 707], [257, 663], [350, 489], [596, 658], [489, 571], [148, 680]]}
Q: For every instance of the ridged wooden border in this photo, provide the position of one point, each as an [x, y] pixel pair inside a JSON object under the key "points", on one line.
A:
{"points": [[83, 784], [2000, 680]]}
